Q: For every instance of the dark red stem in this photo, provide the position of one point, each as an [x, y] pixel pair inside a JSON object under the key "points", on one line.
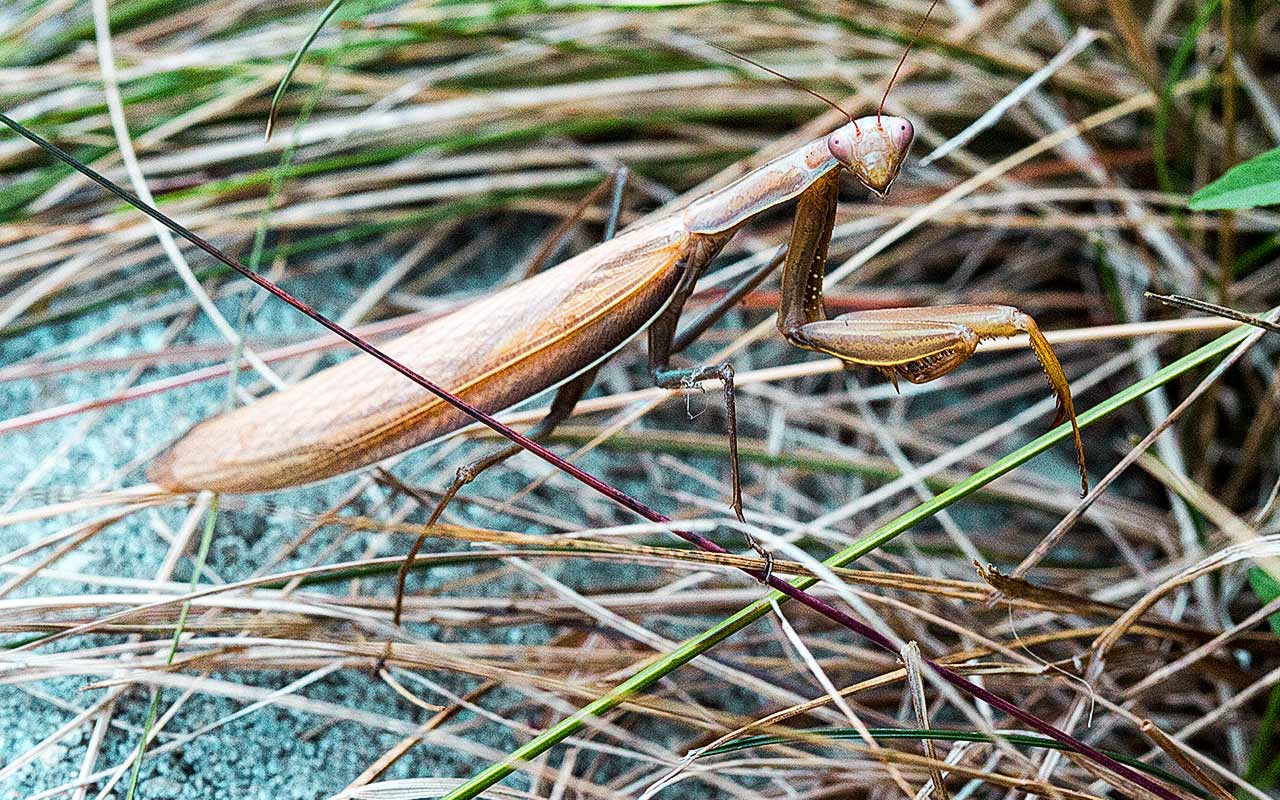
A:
{"points": [[618, 496]]}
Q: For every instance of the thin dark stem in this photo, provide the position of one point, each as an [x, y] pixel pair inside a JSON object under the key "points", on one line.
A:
{"points": [[1215, 309], [623, 499]]}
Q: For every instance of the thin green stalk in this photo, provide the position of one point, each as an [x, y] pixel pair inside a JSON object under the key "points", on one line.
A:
{"points": [[704, 641], [278, 175], [206, 539], [295, 62], [1264, 760], [1159, 155], [301, 52], [754, 451]]}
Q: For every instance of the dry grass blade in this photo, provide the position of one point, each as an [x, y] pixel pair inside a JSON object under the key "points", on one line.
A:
{"points": [[919, 705], [1175, 752]]}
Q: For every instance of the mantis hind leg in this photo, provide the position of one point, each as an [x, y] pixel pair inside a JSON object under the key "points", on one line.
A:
{"points": [[922, 344], [724, 304], [566, 397], [561, 408], [615, 184]]}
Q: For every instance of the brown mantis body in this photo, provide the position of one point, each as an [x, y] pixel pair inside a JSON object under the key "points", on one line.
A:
{"points": [[495, 352], [553, 328]]}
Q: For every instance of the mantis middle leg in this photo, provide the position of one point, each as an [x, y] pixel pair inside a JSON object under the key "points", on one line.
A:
{"points": [[664, 343], [700, 251]]}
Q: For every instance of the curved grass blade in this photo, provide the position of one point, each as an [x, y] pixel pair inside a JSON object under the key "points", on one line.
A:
{"points": [[293, 65]]}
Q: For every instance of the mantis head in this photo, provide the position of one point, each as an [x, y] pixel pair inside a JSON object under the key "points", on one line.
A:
{"points": [[873, 149]]}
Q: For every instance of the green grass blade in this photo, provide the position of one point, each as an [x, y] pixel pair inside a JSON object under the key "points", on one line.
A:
{"points": [[1160, 135], [296, 60], [1264, 760], [1254, 183], [206, 540], [704, 641]]}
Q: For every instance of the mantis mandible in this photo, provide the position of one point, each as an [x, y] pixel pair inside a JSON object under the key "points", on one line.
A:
{"points": [[554, 329]]}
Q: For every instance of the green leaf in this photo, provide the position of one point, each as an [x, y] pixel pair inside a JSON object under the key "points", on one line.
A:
{"points": [[1264, 764], [1254, 183], [1267, 589]]}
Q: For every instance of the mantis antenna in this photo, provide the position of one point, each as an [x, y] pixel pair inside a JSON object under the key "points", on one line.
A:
{"points": [[901, 61], [791, 81]]}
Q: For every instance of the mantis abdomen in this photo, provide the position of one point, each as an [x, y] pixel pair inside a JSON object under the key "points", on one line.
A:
{"points": [[494, 353]]}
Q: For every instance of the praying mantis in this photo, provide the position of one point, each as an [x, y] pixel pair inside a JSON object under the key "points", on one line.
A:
{"points": [[553, 330]]}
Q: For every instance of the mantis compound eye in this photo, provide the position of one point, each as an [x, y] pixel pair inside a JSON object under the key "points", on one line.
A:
{"points": [[841, 146], [901, 134]]}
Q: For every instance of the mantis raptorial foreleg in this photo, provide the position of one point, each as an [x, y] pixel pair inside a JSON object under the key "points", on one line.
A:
{"points": [[918, 344]]}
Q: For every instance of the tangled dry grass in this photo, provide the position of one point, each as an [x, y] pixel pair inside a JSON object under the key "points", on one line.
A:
{"points": [[429, 151]]}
